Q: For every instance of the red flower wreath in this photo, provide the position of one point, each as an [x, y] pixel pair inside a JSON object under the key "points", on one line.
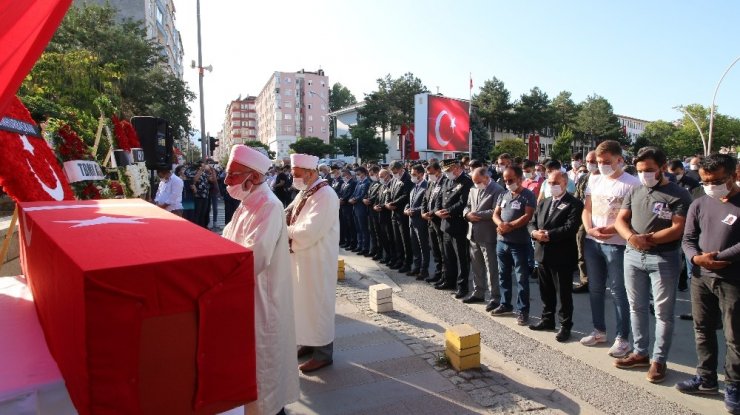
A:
{"points": [[125, 134], [71, 146]]}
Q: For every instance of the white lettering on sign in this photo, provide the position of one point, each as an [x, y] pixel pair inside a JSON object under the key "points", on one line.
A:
{"points": [[80, 170]]}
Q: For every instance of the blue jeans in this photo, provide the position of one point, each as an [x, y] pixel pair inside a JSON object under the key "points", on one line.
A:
{"points": [[659, 271], [514, 257], [606, 261]]}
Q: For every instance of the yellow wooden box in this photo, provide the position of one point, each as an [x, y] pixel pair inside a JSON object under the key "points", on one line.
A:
{"points": [[462, 336], [465, 362]]}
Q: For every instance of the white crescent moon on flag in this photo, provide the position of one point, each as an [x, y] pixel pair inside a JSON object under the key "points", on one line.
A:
{"points": [[57, 193], [439, 138]]}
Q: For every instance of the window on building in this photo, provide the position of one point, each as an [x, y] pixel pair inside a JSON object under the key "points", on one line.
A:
{"points": [[310, 82], [323, 107], [310, 129], [310, 106], [288, 92], [288, 116], [323, 118], [287, 80], [288, 104], [160, 16], [323, 129], [287, 128], [310, 118], [323, 84]]}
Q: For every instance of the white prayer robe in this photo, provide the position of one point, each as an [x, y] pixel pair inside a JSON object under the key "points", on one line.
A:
{"points": [[259, 224], [315, 236]]}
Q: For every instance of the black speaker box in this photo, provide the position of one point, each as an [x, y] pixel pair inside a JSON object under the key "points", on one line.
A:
{"points": [[155, 135]]}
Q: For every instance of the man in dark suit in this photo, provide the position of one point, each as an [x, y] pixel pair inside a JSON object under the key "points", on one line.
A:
{"points": [[400, 190], [454, 200], [433, 202], [418, 226], [385, 216], [482, 237], [373, 193], [554, 227], [347, 225], [362, 229]]}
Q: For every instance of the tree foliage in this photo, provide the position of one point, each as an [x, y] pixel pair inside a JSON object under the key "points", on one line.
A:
{"points": [[561, 148], [532, 114], [255, 143], [564, 111], [514, 146], [596, 120], [313, 146], [482, 144], [340, 97], [493, 102], [392, 104]]}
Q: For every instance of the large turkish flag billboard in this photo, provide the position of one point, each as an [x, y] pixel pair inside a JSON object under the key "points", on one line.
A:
{"points": [[444, 122]]}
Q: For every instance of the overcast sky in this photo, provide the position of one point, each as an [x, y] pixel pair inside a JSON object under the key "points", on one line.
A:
{"points": [[645, 57]]}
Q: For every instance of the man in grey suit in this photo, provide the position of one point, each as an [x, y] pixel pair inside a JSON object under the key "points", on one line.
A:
{"points": [[418, 226], [482, 236]]}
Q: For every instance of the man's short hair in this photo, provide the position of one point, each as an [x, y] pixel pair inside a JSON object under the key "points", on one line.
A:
{"points": [[528, 164], [396, 165], [518, 160], [418, 168], [164, 169], [481, 171], [435, 166], [504, 156], [714, 162], [517, 170], [335, 167], [475, 163], [553, 165], [609, 146], [675, 164], [361, 170], [651, 153], [577, 156], [374, 168]]}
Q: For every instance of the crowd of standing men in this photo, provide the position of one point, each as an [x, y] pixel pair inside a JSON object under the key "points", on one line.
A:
{"points": [[643, 228]]}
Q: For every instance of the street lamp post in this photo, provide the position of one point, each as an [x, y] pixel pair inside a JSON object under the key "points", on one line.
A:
{"points": [[701, 134], [711, 110], [209, 68]]}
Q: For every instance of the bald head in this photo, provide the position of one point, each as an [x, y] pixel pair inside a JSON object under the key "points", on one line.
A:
{"points": [[480, 176], [591, 157], [559, 178]]}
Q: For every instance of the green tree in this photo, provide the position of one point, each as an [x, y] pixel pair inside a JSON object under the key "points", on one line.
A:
{"points": [[371, 146], [561, 148], [313, 146], [656, 133], [493, 102], [596, 120], [255, 143], [514, 146], [482, 144], [564, 111], [340, 97], [532, 114]]}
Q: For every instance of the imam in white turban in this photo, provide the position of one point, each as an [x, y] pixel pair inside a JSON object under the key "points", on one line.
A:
{"points": [[304, 161], [250, 157]]}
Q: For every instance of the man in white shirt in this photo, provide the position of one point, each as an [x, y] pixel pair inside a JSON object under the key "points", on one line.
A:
{"points": [[604, 248], [169, 191]]}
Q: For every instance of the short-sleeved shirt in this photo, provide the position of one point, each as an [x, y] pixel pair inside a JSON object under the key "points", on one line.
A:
{"points": [[512, 208], [653, 210], [607, 195]]}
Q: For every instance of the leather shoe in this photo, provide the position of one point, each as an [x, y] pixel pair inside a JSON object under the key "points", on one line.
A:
{"points": [[377, 257], [395, 266], [443, 286], [563, 334], [304, 351], [433, 279], [404, 269], [580, 288], [542, 325], [472, 299], [492, 306], [366, 254], [460, 294], [414, 272], [314, 365], [422, 276]]}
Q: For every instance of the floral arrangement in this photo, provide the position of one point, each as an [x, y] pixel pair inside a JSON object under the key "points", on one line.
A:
{"points": [[70, 146], [125, 133], [137, 179]]}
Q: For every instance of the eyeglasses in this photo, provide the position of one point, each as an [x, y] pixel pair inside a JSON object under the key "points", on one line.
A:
{"points": [[718, 182]]}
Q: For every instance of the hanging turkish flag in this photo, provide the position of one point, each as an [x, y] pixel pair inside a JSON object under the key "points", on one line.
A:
{"points": [[448, 124], [407, 131], [534, 147], [27, 28]]}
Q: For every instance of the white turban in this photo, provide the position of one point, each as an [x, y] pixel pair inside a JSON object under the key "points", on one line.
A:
{"points": [[304, 161], [249, 157]]}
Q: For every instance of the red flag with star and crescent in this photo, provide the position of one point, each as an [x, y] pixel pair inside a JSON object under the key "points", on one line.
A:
{"points": [[448, 125]]}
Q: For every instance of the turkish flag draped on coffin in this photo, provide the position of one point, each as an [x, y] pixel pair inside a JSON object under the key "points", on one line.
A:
{"points": [[144, 312], [27, 28], [448, 124]]}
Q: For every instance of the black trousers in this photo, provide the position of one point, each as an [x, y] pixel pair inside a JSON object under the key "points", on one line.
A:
{"points": [[374, 227], [457, 261], [388, 240], [230, 205], [202, 209], [420, 246], [715, 300], [347, 226], [556, 281], [437, 242], [402, 237]]}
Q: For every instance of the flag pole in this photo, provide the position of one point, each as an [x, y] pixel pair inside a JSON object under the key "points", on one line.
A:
{"points": [[470, 110]]}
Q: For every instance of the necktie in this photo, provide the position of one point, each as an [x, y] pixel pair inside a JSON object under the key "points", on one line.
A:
{"points": [[553, 204]]}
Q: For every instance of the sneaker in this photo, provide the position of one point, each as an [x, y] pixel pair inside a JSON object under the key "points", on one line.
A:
{"points": [[698, 386], [620, 348], [632, 361], [522, 319], [594, 338], [731, 399], [657, 372], [501, 310]]}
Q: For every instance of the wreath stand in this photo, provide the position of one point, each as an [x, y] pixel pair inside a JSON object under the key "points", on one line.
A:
{"points": [[8, 237]]}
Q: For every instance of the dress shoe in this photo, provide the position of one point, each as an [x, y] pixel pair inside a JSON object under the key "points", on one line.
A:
{"points": [[473, 299], [395, 266], [304, 351], [433, 279], [563, 334], [314, 365], [414, 272], [366, 254], [460, 294], [377, 257], [580, 288], [421, 277], [492, 305], [404, 269], [543, 325], [444, 286]]}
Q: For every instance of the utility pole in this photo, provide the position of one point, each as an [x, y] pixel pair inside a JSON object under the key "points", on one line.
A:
{"points": [[203, 138]]}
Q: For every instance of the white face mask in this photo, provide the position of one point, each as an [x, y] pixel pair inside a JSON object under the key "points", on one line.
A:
{"points": [[432, 178], [737, 183], [694, 167], [414, 179], [606, 169], [237, 190], [512, 187], [576, 164], [556, 190], [450, 175], [580, 176], [397, 176], [716, 191], [500, 169], [528, 175], [592, 167], [481, 186], [679, 177], [298, 183], [648, 178], [374, 178]]}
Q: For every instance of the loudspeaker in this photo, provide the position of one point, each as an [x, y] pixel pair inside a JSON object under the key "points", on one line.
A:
{"points": [[155, 135]]}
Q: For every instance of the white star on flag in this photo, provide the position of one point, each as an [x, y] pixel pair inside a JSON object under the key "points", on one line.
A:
{"points": [[452, 123], [103, 220]]}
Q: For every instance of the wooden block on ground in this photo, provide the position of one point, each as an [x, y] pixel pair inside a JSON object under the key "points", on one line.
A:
{"points": [[463, 363], [387, 300], [380, 291], [381, 308], [340, 275], [462, 353], [340, 265], [462, 336]]}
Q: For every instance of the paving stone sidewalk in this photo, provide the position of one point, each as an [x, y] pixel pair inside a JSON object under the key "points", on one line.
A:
{"points": [[388, 364]]}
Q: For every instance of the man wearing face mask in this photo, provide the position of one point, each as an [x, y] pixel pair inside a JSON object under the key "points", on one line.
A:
{"points": [[419, 228], [592, 169], [371, 200], [503, 161], [693, 171], [482, 236], [551, 166], [454, 200], [514, 210], [335, 179], [348, 236], [360, 211], [432, 203], [576, 161], [712, 242], [532, 181], [313, 229], [684, 180], [385, 216], [553, 228], [259, 224], [400, 190], [652, 220], [604, 249]]}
